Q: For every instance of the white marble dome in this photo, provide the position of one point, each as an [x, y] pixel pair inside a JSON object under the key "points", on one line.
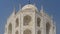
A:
{"points": [[29, 6]]}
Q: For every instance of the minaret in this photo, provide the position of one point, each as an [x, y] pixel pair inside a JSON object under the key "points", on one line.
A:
{"points": [[42, 10], [20, 6], [14, 10]]}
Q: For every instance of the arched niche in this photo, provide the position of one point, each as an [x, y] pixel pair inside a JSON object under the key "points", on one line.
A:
{"points": [[16, 32], [47, 28], [26, 20], [10, 29], [27, 31], [38, 22], [38, 32], [17, 22]]}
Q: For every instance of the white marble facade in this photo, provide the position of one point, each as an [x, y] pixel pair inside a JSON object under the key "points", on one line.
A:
{"points": [[28, 20]]}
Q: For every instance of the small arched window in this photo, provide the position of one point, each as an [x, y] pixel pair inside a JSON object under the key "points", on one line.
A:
{"points": [[17, 22], [10, 29], [26, 20], [38, 22], [27, 31], [47, 28], [38, 32]]}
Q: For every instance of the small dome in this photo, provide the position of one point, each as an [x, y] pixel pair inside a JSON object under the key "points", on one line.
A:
{"points": [[29, 6]]}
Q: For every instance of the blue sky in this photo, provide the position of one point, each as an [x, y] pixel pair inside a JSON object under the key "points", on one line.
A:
{"points": [[52, 7]]}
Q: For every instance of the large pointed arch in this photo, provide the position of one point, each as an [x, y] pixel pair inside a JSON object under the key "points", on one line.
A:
{"points": [[27, 31], [26, 20]]}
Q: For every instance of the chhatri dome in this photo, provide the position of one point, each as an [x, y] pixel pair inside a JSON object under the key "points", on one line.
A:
{"points": [[29, 6]]}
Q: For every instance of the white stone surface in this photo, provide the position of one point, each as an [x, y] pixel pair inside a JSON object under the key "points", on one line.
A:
{"points": [[33, 24]]}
